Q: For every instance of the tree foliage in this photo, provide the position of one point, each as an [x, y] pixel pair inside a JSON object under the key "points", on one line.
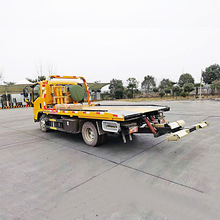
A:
{"points": [[148, 83], [167, 91], [197, 86], [119, 93], [184, 94], [9, 83], [155, 89], [176, 90], [38, 79], [106, 95], [216, 85], [185, 78], [116, 88], [165, 84], [161, 93], [211, 74], [132, 86], [188, 87]]}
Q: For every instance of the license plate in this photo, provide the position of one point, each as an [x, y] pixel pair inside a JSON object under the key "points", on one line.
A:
{"points": [[133, 129]]}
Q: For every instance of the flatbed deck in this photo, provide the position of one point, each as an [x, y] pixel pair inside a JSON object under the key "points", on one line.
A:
{"points": [[110, 112]]}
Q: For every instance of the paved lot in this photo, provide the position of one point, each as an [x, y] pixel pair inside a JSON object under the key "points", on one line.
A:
{"points": [[55, 175]]}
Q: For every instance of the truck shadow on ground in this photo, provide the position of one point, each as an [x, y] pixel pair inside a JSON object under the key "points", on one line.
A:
{"points": [[112, 149]]}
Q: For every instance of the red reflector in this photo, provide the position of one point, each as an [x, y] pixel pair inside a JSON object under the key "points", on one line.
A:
{"points": [[133, 129]]}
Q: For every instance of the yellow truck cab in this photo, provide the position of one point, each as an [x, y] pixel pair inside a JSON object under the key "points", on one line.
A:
{"points": [[63, 103]]}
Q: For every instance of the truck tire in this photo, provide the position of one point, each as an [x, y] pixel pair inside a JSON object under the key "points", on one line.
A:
{"points": [[43, 126], [90, 134]]}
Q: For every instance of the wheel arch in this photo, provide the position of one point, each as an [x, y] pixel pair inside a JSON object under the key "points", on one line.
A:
{"points": [[38, 116]]}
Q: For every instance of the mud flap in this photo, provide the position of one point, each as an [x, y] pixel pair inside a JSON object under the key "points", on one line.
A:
{"points": [[184, 132]]}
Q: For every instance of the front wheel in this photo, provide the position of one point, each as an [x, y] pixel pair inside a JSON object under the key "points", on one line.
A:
{"points": [[43, 126], [90, 134]]}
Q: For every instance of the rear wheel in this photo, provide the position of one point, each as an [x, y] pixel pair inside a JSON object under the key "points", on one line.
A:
{"points": [[90, 134], [43, 126]]}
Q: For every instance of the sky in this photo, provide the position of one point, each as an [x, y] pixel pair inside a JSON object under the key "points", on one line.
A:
{"points": [[101, 39]]}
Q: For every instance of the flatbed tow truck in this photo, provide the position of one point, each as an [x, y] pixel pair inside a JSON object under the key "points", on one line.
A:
{"points": [[58, 104]]}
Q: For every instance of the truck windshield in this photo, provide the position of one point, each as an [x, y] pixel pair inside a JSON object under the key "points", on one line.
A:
{"points": [[36, 92]]}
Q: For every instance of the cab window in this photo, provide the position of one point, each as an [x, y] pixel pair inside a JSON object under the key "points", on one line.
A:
{"points": [[36, 92]]}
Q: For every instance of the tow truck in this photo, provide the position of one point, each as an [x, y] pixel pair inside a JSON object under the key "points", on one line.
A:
{"points": [[59, 104]]}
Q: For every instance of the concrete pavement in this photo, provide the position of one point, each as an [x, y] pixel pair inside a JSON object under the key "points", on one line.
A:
{"points": [[55, 175]]}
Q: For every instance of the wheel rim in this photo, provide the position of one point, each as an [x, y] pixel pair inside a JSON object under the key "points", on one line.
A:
{"points": [[90, 134], [43, 124]]}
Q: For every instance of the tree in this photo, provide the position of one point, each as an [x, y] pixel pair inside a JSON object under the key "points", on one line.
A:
{"points": [[165, 84], [148, 83], [155, 89], [40, 69], [38, 79], [167, 91], [161, 93], [176, 90], [116, 88], [197, 86], [106, 95], [128, 93], [211, 74], [188, 87], [185, 78], [184, 94], [51, 68], [132, 86], [216, 85], [9, 83], [97, 81], [119, 93]]}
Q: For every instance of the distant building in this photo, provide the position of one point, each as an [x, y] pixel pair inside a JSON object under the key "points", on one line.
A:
{"points": [[12, 95], [95, 90]]}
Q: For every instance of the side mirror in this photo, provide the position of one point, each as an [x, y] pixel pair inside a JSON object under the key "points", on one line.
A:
{"points": [[25, 92]]}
